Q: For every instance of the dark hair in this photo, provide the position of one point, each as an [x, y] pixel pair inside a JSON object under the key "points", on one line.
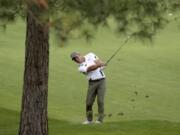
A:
{"points": [[74, 59]]}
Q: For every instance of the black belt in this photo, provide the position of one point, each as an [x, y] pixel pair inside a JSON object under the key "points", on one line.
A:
{"points": [[96, 80]]}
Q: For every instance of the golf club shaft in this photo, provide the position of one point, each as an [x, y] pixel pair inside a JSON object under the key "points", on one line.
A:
{"points": [[115, 53]]}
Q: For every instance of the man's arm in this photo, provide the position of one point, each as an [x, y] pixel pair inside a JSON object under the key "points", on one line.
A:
{"points": [[98, 63]]}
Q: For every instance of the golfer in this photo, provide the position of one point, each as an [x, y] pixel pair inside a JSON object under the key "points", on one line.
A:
{"points": [[92, 67]]}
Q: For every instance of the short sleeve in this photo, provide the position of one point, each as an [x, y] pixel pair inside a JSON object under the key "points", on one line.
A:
{"points": [[83, 68], [93, 56]]}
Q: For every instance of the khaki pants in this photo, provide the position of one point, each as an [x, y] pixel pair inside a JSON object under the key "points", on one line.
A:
{"points": [[96, 88]]}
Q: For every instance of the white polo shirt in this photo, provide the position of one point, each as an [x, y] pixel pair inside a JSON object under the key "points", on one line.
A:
{"points": [[89, 61]]}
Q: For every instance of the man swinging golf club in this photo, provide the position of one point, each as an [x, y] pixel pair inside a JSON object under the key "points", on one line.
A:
{"points": [[92, 67]]}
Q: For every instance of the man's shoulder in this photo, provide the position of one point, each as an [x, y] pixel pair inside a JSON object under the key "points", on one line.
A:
{"points": [[90, 55]]}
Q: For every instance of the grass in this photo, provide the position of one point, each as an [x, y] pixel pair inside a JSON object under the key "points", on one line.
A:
{"points": [[143, 84], [9, 122]]}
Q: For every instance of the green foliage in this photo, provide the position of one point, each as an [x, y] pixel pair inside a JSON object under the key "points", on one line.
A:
{"points": [[139, 18], [174, 5], [9, 9]]}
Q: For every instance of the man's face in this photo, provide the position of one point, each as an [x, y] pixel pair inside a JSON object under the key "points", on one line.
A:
{"points": [[79, 59]]}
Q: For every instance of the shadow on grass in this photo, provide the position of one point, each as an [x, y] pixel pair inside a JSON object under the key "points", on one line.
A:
{"points": [[138, 127], [9, 121]]}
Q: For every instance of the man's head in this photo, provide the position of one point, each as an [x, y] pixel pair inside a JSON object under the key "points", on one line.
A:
{"points": [[77, 57]]}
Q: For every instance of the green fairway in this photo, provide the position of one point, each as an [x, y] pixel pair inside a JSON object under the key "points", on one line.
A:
{"points": [[9, 122], [143, 84]]}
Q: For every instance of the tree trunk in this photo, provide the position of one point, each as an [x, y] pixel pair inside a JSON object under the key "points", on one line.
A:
{"points": [[34, 120]]}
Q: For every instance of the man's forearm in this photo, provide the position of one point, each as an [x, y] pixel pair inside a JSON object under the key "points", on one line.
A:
{"points": [[98, 63], [93, 67]]}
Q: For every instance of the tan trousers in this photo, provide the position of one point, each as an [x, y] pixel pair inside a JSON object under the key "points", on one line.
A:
{"points": [[95, 88]]}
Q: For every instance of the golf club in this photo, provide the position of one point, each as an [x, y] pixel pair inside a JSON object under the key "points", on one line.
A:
{"points": [[115, 53]]}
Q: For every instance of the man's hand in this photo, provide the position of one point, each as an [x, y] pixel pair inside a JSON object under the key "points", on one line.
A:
{"points": [[98, 64]]}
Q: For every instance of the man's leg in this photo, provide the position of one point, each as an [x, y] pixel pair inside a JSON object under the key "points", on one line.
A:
{"points": [[91, 94], [100, 99]]}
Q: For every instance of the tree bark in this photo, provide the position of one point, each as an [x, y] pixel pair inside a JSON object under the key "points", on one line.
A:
{"points": [[34, 119]]}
